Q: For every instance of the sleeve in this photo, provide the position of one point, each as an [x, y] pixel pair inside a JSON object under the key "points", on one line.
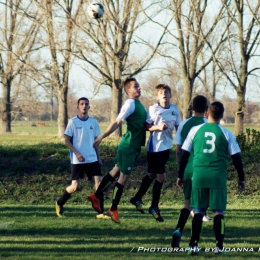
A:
{"points": [[237, 161], [178, 117], [150, 115], [127, 109], [183, 162], [69, 129], [233, 146], [188, 143], [177, 138], [97, 129]]}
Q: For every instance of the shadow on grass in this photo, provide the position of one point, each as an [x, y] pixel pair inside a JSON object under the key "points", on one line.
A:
{"points": [[36, 231]]}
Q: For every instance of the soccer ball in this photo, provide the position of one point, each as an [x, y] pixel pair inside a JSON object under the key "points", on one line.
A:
{"points": [[95, 10]]}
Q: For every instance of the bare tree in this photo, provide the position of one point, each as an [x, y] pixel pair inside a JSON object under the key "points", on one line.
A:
{"points": [[112, 47], [18, 35], [59, 26], [240, 49], [194, 23]]}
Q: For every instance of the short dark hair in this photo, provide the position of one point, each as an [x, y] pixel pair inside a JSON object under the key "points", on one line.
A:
{"points": [[163, 86], [127, 81], [200, 104], [82, 98], [216, 110]]}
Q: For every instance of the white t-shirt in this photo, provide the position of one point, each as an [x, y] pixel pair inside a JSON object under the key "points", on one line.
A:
{"points": [[83, 134], [162, 140]]}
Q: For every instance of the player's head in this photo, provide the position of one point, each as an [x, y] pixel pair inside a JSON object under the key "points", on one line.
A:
{"points": [[163, 93], [82, 98], [216, 110], [163, 87], [132, 88], [200, 104], [83, 106]]}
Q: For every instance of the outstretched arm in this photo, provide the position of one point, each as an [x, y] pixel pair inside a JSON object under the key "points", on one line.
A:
{"points": [[110, 129]]}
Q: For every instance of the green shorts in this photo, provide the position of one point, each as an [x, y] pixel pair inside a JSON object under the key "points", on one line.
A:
{"points": [[203, 198], [125, 158], [187, 189]]}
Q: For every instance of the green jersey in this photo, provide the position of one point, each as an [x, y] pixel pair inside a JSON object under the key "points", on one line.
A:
{"points": [[134, 113], [211, 144], [181, 134]]}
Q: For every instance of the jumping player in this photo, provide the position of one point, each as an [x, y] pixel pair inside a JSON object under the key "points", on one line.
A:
{"points": [[161, 119], [128, 150]]}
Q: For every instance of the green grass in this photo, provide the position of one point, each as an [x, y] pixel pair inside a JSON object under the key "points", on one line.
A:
{"points": [[35, 170], [34, 232]]}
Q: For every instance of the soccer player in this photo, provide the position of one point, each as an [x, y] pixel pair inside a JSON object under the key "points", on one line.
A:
{"points": [[161, 119], [211, 144], [199, 107], [79, 135], [129, 148]]}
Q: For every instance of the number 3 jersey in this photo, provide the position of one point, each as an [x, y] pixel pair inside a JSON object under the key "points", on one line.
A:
{"points": [[211, 144]]}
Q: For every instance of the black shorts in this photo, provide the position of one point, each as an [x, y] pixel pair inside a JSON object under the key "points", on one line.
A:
{"points": [[90, 169], [157, 161]]}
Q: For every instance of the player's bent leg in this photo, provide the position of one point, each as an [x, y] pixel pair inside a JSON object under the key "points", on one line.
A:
{"points": [[138, 204], [65, 197], [183, 217]]}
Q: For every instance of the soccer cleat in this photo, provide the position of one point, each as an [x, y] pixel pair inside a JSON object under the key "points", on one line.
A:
{"points": [[176, 238], [192, 250], [206, 218], [138, 204], [218, 251], [103, 216], [95, 202], [155, 212], [114, 215], [59, 209]]}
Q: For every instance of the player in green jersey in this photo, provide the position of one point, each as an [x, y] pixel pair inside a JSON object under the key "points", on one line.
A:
{"points": [[211, 144], [199, 107], [129, 148]]}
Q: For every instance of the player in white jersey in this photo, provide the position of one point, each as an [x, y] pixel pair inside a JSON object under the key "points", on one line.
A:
{"points": [[79, 136], [161, 119]]}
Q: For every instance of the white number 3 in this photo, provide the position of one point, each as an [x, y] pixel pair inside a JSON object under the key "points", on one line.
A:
{"points": [[210, 142]]}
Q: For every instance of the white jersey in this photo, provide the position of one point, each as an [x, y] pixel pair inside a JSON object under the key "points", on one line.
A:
{"points": [[162, 140], [83, 134]]}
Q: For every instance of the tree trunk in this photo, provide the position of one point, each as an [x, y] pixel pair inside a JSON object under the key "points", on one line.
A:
{"points": [[6, 115], [186, 109], [239, 117], [115, 107], [62, 110]]}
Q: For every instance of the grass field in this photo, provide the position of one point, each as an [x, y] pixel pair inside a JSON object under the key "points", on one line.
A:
{"points": [[35, 171], [34, 232]]}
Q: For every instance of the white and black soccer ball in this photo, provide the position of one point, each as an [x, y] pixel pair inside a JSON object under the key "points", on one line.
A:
{"points": [[95, 10]]}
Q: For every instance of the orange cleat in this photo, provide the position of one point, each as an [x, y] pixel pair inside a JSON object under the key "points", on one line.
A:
{"points": [[95, 202], [114, 215]]}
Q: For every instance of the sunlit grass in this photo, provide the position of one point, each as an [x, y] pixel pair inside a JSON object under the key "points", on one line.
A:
{"points": [[34, 232]]}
